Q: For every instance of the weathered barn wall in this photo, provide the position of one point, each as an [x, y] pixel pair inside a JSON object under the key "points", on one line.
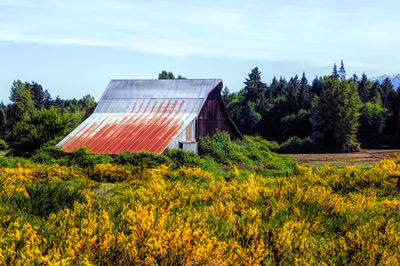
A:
{"points": [[187, 135], [214, 116]]}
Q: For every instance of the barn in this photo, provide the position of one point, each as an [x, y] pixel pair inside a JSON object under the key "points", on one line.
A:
{"points": [[152, 115]]}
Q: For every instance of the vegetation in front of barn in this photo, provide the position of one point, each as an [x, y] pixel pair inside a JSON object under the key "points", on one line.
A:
{"points": [[185, 215]]}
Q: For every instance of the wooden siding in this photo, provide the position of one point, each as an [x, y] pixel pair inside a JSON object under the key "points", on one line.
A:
{"points": [[183, 136], [214, 116]]}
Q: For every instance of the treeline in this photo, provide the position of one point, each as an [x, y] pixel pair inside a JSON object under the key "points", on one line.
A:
{"points": [[333, 112], [33, 117]]}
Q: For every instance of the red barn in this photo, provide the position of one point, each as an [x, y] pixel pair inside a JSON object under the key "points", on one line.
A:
{"points": [[152, 115]]}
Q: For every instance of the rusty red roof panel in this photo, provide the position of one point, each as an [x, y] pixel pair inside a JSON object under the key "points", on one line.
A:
{"points": [[140, 115]]}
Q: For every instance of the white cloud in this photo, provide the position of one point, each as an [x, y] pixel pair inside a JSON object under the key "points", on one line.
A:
{"points": [[255, 30]]}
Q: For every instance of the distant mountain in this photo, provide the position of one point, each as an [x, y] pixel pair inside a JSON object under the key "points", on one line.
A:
{"points": [[395, 79]]}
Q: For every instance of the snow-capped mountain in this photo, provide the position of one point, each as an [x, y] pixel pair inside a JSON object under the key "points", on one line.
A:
{"points": [[395, 79]]}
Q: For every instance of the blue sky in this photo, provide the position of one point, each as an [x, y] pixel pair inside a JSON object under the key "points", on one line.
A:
{"points": [[75, 47]]}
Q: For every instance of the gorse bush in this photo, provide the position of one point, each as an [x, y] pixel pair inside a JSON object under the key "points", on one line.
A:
{"points": [[181, 216], [44, 199], [182, 158], [83, 158], [11, 162], [150, 159]]}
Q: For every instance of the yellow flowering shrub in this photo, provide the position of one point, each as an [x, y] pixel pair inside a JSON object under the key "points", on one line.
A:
{"points": [[188, 216]]}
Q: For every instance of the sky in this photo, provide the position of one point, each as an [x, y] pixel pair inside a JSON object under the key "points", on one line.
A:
{"points": [[76, 47]]}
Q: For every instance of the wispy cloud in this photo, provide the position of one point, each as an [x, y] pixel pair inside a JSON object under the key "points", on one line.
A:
{"points": [[258, 30]]}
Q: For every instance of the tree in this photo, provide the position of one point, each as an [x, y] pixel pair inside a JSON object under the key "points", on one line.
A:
{"points": [[3, 122], [387, 93], [342, 71], [225, 94], [335, 115], [254, 87], [87, 104], [372, 121], [251, 119], [37, 94], [270, 124], [273, 91], [304, 94], [318, 86], [354, 78], [58, 102], [335, 72], [364, 89], [47, 100], [282, 87], [169, 75], [22, 102], [293, 91], [37, 128]]}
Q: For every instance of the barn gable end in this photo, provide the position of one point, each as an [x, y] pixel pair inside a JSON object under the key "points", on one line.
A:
{"points": [[214, 117]]}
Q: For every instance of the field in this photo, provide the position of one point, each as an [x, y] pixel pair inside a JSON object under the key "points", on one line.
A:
{"points": [[126, 215], [364, 158]]}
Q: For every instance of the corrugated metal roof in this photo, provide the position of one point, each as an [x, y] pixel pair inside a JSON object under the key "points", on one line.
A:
{"points": [[138, 115]]}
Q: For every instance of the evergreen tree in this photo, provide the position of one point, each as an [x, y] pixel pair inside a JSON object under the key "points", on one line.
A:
{"points": [[317, 87], [364, 89], [293, 89], [335, 72], [387, 93], [37, 94], [251, 119], [282, 87], [254, 87], [3, 122], [355, 78], [342, 71], [304, 94], [58, 102], [274, 90], [270, 125], [250, 102], [335, 115], [225, 95], [47, 100], [375, 90]]}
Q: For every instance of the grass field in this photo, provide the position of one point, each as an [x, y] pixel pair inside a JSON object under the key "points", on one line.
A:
{"points": [[364, 158]]}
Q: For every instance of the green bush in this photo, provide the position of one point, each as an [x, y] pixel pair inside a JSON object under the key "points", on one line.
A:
{"points": [[51, 155], [3, 145], [46, 198], [251, 152], [38, 128], [351, 145], [183, 158], [11, 162], [138, 158], [83, 158], [298, 145], [221, 148]]}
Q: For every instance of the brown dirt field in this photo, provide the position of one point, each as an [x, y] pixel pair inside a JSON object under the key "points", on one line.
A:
{"points": [[364, 158]]}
